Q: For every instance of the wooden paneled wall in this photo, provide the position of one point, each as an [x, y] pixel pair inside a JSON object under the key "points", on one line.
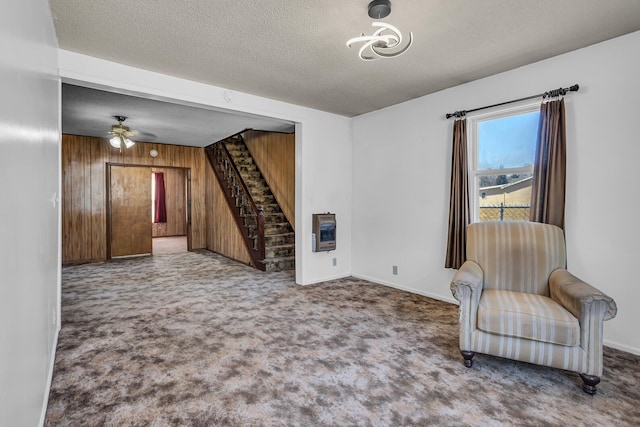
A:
{"points": [[175, 200], [223, 235], [83, 198], [84, 201], [275, 155]]}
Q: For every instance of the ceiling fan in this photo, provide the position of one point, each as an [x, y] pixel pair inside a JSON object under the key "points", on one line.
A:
{"points": [[121, 134]]}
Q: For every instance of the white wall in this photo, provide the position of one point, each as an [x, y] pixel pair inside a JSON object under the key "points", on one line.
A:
{"points": [[29, 220], [401, 173], [323, 148]]}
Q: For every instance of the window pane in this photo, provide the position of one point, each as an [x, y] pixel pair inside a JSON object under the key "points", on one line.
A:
{"points": [[504, 197], [507, 142]]}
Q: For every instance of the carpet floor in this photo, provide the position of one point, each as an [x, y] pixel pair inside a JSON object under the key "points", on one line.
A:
{"points": [[196, 339], [169, 245]]}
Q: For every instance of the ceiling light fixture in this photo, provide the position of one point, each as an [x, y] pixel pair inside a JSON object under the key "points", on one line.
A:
{"points": [[385, 42], [121, 134]]}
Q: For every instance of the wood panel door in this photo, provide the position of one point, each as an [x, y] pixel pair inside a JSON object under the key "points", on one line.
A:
{"points": [[130, 210]]}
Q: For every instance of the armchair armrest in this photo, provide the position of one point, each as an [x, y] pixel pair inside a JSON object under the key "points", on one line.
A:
{"points": [[466, 287], [467, 280], [578, 296], [469, 275]]}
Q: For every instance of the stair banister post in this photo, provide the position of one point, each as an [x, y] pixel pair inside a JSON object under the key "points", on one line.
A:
{"points": [[260, 218]]}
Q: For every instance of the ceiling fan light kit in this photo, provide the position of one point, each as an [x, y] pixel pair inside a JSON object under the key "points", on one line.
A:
{"points": [[386, 41], [121, 134]]}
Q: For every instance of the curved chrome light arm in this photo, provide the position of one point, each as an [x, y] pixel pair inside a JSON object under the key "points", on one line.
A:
{"points": [[378, 42], [397, 53]]}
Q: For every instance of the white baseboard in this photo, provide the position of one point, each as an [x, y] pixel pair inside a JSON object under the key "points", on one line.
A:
{"points": [[622, 347], [43, 414], [326, 279], [403, 288]]}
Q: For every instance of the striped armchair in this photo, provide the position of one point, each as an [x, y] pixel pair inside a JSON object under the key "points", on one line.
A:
{"points": [[517, 301]]}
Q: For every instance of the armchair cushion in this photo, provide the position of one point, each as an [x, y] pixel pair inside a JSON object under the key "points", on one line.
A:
{"points": [[529, 316], [516, 256]]}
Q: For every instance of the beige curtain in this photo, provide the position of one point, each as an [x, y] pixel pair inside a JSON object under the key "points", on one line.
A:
{"points": [[550, 168], [459, 199]]}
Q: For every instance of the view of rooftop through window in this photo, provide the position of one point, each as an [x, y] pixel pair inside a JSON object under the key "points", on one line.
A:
{"points": [[505, 150]]}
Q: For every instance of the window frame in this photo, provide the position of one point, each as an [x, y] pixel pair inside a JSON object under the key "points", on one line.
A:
{"points": [[474, 173]]}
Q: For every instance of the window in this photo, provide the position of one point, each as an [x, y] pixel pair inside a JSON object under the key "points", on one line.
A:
{"points": [[501, 152]]}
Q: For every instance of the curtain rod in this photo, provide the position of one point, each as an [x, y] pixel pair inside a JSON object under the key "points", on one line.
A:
{"points": [[551, 93]]}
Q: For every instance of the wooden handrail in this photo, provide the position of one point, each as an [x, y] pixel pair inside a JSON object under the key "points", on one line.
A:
{"points": [[250, 129], [255, 247]]}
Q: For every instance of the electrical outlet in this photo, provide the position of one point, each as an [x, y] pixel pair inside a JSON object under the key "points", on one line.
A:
{"points": [[395, 270], [334, 262]]}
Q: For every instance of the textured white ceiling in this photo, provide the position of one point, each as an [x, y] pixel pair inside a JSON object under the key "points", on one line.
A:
{"points": [[90, 112], [294, 51]]}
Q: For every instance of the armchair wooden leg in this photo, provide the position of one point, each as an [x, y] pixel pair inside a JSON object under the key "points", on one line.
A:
{"points": [[589, 383], [468, 355]]}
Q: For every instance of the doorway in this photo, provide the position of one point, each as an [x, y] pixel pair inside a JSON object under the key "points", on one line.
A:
{"points": [[169, 195], [131, 220]]}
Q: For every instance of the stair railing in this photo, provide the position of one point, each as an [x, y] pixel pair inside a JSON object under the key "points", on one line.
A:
{"points": [[248, 216]]}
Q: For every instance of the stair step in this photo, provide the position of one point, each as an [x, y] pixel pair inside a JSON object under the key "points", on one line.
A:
{"points": [[241, 161], [280, 264], [280, 251], [235, 142], [264, 199], [271, 208], [274, 218], [258, 191], [277, 228], [241, 157], [279, 239], [247, 168], [235, 147], [254, 183], [252, 175]]}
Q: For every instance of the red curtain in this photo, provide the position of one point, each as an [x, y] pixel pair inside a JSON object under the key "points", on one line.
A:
{"points": [[160, 207]]}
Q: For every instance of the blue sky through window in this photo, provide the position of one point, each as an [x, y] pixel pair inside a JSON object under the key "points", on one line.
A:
{"points": [[508, 142]]}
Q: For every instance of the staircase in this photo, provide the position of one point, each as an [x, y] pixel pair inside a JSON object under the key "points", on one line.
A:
{"points": [[257, 213]]}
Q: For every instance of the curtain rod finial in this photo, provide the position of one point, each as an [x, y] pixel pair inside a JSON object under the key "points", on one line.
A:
{"points": [[457, 114]]}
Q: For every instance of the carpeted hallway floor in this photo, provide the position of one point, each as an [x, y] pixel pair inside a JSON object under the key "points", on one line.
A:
{"points": [[197, 339], [169, 245]]}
